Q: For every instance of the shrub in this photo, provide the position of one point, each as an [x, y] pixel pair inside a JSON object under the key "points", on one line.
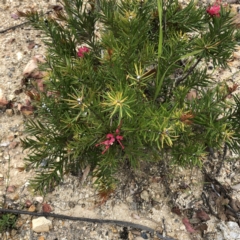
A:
{"points": [[128, 81]]}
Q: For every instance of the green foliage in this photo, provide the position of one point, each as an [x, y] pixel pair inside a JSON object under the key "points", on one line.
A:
{"points": [[7, 221], [128, 95]]}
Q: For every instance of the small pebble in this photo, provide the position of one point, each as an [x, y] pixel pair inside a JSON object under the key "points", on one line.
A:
{"points": [[28, 203], [114, 230], [4, 144], [11, 189], [13, 232], [135, 216], [138, 238], [19, 56], [144, 235], [32, 208], [145, 195], [39, 199]]}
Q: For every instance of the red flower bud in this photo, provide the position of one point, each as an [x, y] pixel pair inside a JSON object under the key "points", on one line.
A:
{"points": [[82, 50], [214, 10]]}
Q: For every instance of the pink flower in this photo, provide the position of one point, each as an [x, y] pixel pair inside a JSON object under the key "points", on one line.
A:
{"points": [[214, 10], [109, 136], [82, 50], [119, 139], [110, 140]]}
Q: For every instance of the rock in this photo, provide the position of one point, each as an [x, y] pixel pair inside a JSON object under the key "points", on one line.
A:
{"points": [[135, 232], [11, 189], [144, 235], [19, 223], [26, 217], [138, 238], [15, 197], [3, 101], [4, 144], [28, 203], [30, 67], [2, 94], [32, 208], [130, 236], [6, 157], [129, 199], [6, 236], [13, 232], [26, 184], [236, 187], [39, 199], [46, 208], [114, 229], [145, 195], [11, 97], [41, 224], [20, 167], [33, 65], [19, 56], [41, 238], [135, 216], [230, 230], [9, 112]]}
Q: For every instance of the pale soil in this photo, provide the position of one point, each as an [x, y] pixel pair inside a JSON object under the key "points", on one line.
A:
{"points": [[70, 198]]}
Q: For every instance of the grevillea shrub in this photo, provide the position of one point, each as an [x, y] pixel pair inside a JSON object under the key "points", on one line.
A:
{"points": [[127, 81]]}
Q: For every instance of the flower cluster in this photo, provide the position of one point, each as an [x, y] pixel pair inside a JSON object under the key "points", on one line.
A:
{"points": [[82, 51], [215, 9], [111, 139]]}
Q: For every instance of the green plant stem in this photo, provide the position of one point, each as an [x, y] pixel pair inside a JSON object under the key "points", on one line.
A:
{"points": [[160, 44], [160, 40]]}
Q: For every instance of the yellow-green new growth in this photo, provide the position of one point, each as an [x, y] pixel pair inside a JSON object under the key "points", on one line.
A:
{"points": [[118, 103]]}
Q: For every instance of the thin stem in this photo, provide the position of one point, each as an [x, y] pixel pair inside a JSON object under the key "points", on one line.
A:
{"points": [[160, 41], [160, 45], [189, 72]]}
